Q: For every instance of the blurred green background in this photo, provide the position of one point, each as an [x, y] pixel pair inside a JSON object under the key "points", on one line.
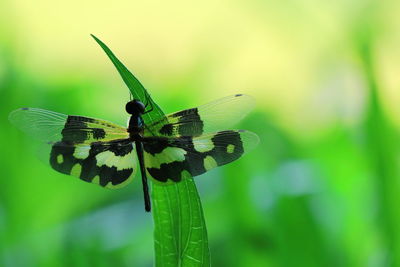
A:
{"points": [[321, 189]]}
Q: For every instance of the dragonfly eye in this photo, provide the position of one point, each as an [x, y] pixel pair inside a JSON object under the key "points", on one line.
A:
{"points": [[135, 107]]}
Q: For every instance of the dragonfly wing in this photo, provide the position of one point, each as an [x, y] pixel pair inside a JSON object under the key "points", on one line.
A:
{"points": [[218, 115], [93, 150], [108, 164], [50, 126], [166, 159]]}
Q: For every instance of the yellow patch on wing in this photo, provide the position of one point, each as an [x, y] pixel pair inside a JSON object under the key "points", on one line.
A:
{"points": [[209, 163], [81, 152], [109, 159], [96, 180], [168, 155], [203, 145], [230, 148], [76, 170], [60, 159]]}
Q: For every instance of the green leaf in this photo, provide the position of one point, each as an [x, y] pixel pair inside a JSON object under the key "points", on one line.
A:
{"points": [[135, 87], [180, 234]]}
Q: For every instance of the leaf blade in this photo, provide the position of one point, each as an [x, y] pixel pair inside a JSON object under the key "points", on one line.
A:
{"points": [[135, 87], [180, 234]]}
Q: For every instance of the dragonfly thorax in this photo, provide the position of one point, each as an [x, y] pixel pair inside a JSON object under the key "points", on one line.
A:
{"points": [[135, 107]]}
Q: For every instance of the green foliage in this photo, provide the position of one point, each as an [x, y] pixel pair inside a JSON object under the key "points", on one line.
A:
{"points": [[321, 189], [180, 234]]}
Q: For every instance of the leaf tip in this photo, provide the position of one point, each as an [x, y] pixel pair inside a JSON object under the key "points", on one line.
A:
{"points": [[94, 37]]}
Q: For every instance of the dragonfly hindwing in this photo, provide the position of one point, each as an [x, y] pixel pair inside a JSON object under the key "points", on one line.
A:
{"points": [[110, 165], [167, 159]]}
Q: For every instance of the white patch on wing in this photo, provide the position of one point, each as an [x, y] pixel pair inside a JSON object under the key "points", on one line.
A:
{"points": [[203, 145], [81, 152], [109, 159], [168, 155]]}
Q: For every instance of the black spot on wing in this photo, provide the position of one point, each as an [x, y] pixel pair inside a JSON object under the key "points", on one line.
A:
{"points": [[68, 161], [223, 140], [105, 173], [89, 167], [155, 146], [167, 171], [98, 133], [111, 174], [121, 147], [76, 130], [174, 170], [167, 129], [188, 123]]}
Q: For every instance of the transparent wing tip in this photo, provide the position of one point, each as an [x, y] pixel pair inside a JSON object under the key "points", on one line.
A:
{"points": [[249, 139]]}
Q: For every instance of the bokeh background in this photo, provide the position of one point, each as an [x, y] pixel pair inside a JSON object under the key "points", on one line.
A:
{"points": [[321, 189]]}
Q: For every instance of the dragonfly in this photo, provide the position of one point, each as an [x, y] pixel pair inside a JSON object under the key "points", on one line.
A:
{"points": [[192, 141]]}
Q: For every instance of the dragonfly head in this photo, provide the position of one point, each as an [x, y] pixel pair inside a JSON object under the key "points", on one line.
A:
{"points": [[135, 107]]}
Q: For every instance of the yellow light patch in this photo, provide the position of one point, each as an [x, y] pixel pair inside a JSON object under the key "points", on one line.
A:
{"points": [[209, 163], [60, 159], [203, 145], [76, 170], [81, 152], [230, 148], [109, 159], [168, 155], [96, 180]]}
